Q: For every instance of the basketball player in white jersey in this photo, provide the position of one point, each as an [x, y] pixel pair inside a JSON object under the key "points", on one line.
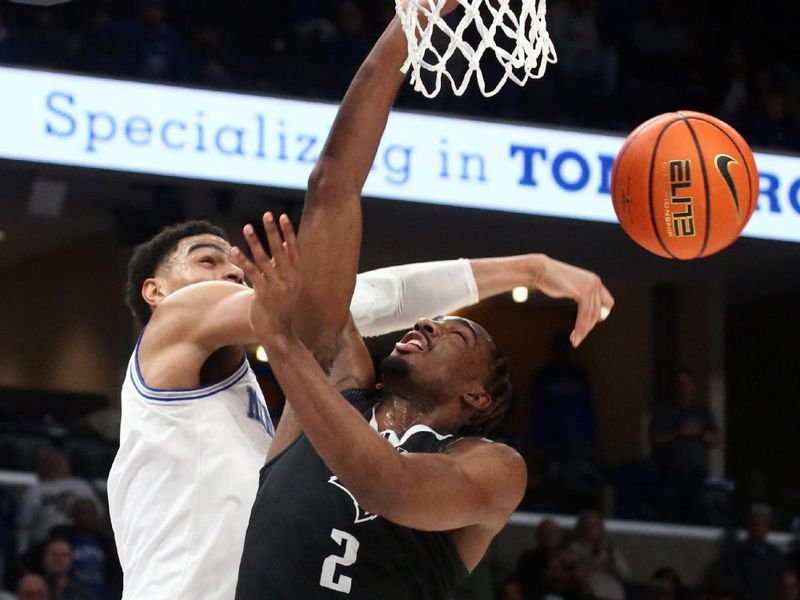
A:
{"points": [[195, 428]]}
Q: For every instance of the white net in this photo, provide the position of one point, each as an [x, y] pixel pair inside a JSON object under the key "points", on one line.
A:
{"points": [[509, 37]]}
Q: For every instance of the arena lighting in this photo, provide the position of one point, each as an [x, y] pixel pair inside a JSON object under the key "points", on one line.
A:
{"points": [[520, 294], [261, 354]]}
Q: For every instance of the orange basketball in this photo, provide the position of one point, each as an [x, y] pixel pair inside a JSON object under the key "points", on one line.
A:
{"points": [[684, 185]]}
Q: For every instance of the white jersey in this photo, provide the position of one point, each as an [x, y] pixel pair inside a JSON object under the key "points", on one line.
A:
{"points": [[183, 483]]}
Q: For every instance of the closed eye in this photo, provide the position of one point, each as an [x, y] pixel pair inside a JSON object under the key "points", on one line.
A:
{"points": [[461, 335]]}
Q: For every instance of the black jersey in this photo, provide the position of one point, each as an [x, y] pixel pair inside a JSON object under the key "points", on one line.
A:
{"points": [[308, 538]]}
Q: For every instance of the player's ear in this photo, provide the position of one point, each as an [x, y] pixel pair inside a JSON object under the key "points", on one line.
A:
{"points": [[153, 291], [476, 396]]}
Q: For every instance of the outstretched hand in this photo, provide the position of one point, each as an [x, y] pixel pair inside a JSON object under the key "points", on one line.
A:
{"points": [[560, 280], [276, 281]]}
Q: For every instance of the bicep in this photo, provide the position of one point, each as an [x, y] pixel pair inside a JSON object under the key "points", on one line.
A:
{"points": [[480, 486], [211, 314]]}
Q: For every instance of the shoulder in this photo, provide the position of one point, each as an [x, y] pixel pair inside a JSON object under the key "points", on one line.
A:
{"points": [[497, 462]]}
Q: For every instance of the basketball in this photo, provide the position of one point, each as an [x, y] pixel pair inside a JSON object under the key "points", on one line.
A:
{"points": [[684, 185]]}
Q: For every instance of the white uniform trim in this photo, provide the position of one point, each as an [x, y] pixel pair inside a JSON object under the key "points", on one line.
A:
{"points": [[152, 393]]}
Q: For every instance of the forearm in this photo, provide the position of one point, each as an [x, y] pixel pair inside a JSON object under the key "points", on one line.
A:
{"points": [[349, 152], [395, 298], [495, 276], [336, 430]]}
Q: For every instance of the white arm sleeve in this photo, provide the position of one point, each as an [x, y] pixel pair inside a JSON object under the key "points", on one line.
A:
{"points": [[395, 298]]}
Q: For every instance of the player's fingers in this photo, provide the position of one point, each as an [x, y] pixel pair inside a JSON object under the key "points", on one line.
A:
{"points": [[273, 238], [607, 302], [260, 258], [289, 240], [245, 264], [581, 322], [589, 309]]}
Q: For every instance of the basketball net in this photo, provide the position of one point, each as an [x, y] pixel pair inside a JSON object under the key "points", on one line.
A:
{"points": [[517, 39]]}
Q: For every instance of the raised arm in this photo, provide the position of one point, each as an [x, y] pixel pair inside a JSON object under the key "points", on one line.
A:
{"points": [[395, 298], [477, 484], [330, 232]]}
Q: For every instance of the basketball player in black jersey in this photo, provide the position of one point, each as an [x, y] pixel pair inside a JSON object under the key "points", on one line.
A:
{"points": [[379, 498], [385, 498]]}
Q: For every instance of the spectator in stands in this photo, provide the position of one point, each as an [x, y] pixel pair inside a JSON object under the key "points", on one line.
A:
{"points": [[563, 426], [49, 502], [533, 563], [13, 48], [349, 43], [56, 566], [773, 126], [682, 433], [511, 589], [793, 557], [585, 62], [563, 579], [754, 566], [93, 556], [100, 52], [150, 47], [33, 587], [8, 510], [50, 43], [665, 584], [563, 418], [788, 586], [600, 562]]}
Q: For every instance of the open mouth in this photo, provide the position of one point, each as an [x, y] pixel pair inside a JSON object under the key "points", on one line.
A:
{"points": [[413, 341]]}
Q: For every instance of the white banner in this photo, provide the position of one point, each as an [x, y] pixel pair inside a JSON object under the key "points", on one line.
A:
{"points": [[199, 134]]}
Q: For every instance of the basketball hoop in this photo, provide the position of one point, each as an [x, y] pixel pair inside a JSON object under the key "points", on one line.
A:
{"points": [[516, 37]]}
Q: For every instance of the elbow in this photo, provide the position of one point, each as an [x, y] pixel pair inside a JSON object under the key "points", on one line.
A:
{"points": [[324, 188]]}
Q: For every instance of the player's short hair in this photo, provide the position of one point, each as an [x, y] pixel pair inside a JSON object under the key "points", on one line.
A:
{"points": [[498, 385], [150, 255]]}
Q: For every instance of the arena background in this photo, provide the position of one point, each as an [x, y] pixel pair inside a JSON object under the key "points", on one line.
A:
{"points": [[67, 233]]}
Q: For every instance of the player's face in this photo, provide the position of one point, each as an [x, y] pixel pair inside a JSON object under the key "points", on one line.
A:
{"points": [[443, 352], [199, 258]]}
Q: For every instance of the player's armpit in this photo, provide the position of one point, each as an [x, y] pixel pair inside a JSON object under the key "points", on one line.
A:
{"points": [[477, 483], [188, 326]]}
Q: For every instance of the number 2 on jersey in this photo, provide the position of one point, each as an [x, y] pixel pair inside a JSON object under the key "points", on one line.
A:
{"points": [[328, 577]]}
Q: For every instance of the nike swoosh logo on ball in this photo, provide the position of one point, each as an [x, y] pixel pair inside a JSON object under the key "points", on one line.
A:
{"points": [[723, 163]]}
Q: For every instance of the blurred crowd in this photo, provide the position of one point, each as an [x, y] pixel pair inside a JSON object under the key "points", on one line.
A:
{"points": [[620, 62], [56, 538], [56, 544], [588, 565]]}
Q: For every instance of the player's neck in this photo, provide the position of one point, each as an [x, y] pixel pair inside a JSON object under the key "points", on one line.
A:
{"points": [[399, 414]]}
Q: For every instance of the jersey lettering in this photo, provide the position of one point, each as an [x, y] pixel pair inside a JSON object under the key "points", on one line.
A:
{"points": [[259, 413], [328, 578]]}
